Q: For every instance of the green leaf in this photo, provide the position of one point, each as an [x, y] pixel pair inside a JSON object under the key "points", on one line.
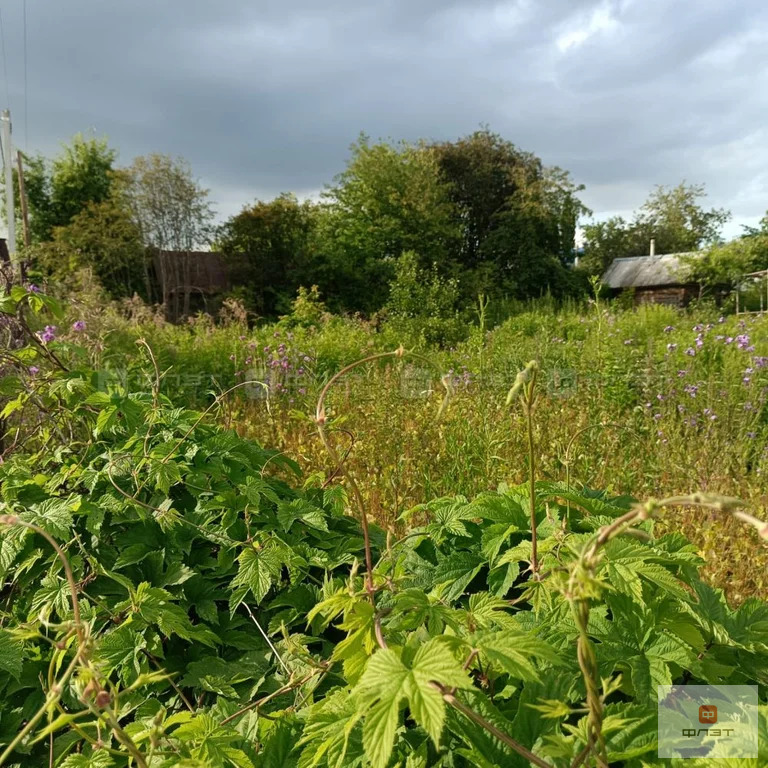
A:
{"points": [[10, 654], [455, 572], [388, 681], [90, 759], [517, 653], [256, 573], [300, 509]]}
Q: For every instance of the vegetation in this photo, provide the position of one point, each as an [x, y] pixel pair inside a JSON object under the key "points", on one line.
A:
{"points": [[439, 560], [478, 213], [182, 596]]}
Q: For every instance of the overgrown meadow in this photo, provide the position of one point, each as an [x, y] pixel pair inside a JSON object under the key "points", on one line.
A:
{"points": [[327, 543], [641, 402]]}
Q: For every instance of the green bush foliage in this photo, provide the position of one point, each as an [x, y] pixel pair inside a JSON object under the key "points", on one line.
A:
{"points": [[172, 598]]}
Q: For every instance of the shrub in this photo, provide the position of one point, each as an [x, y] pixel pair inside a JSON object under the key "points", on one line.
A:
{"points": [[171, 600]]}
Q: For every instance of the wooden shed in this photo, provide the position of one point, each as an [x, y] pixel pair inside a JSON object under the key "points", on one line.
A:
{"points": [[652, 279]]}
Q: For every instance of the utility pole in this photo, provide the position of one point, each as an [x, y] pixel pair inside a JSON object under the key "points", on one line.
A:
{"points": [[23, 197], [10, 211]]}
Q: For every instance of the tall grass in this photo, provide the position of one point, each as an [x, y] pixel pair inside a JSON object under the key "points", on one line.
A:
{"points": [[647, 401]]}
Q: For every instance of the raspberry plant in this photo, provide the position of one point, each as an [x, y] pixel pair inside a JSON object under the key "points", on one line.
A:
{"points": [[175, 595]]}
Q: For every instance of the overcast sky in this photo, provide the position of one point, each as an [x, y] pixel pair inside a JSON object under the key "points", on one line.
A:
{"points": [[264, 96]]}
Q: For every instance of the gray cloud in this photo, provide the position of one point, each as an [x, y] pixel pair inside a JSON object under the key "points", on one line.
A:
{"points": [[266, 96]]}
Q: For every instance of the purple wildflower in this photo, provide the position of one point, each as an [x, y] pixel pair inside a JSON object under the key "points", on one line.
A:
{"points": [[78, 325], [33, 370], [48, 335], [691, 352], [671, 347], [669, 329]]}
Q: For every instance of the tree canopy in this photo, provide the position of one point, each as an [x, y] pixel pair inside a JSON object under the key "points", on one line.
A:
{"points": [[477, 213], [675, 217], [58, 190]]}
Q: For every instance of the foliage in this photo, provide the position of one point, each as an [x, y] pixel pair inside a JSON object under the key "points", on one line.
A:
{"points": [[725, 265], [390, 199], [423, 304], [216, 616], [104, 239], [307, 308], [503, 193], [58, 190], [673, 216], [270, 249]]}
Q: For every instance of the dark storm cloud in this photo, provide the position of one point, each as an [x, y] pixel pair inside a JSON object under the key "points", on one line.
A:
{"points": [[267, 96]]}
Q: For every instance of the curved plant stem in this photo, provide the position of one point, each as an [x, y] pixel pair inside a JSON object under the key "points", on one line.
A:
{"points": [[279, 692], [584, 571], [80, 629], [529, 399], [341, 465], [51, 699], [470, 713]]}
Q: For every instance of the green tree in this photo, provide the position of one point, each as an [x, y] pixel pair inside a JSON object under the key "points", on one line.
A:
{"points": [[58, 190], [518, 218], [674, 217], [484, 171], [103, 239], [172, 213], [389, 200], [269, 247], [605, 241]]}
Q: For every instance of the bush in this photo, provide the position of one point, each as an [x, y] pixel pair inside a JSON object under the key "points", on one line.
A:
{"points": [[423, 304], [172, 600]]}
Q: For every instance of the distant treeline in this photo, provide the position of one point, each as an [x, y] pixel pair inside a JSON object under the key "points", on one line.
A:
{"points": [[441, 222]]}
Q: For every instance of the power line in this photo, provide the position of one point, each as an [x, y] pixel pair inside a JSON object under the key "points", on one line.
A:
{"points": [[26, 110], [5, 63]]}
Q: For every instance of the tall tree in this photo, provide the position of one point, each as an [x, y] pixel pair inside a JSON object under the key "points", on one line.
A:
{"points": [[389, 200], [483, 172], [270, 247], [60, 189], [676, 218], [102, 239], [173, 213], [673, 216], [518, 217]]}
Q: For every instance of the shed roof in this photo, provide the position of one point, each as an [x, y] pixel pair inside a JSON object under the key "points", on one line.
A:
{"points": [[645, 271]]}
